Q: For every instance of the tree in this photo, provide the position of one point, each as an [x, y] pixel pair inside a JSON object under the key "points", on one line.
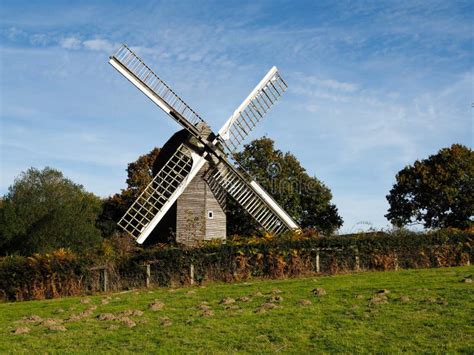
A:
{"points": [[140, 172], [437, 191], [139, 175], [43, 211], [304, 197]]}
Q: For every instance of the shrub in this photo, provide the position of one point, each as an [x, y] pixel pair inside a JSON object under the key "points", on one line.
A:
{"points": [[42, 275]]}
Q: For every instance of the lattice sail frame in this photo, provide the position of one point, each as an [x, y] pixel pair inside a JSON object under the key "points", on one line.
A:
{"points": [[160, 194], [135, 70], [252, 110], [253, 198]]}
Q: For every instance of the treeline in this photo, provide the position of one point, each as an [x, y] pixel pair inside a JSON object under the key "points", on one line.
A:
{"points": [[44, 211], [64, 273]]}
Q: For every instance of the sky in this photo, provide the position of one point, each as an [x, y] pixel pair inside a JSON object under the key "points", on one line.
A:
{"points": [[373, 85]]}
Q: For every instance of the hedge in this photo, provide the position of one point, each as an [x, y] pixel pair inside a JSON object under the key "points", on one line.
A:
{"points": [[295, 256], [42, 276], [62, 273]]}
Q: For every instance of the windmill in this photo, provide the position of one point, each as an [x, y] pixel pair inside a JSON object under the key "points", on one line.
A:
{"points": [[196, 154]]}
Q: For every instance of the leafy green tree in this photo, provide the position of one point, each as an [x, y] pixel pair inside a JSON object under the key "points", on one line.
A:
{"points": [[437, 191], [43, 211], [304, 197]]}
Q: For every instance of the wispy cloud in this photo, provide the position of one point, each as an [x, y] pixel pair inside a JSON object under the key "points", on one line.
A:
{"points": [[70, 43], [328, 83], [13, 33], [100, 45]]}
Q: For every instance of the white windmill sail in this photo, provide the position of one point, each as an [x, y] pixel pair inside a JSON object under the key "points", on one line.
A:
{"points": [[139, 74], [248, 193], [251, 110], [253, 199], [160, 194]]}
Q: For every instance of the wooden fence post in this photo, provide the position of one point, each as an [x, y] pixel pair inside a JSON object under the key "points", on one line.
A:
{"points": [[105, 279], [191, 274], [318, 269], [147, 275], [357, 261]]}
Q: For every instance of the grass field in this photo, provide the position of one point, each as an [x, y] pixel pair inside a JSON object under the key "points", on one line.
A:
{"points": [[423, 311]]}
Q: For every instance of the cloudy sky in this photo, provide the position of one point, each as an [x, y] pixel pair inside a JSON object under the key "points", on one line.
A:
{"points": [[373, 85]]}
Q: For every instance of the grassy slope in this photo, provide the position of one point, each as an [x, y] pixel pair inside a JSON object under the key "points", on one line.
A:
{"points": [[437, 318]]}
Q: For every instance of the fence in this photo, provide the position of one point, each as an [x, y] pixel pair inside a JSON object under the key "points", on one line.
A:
{"points": [[320, 261], [105, 278]]}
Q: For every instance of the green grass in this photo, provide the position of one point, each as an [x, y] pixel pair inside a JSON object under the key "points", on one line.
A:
{"points": [[437, 318]]}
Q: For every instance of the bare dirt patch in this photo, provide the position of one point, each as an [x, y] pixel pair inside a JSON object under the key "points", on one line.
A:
{"points": [[232, 307], [404, 299], [51, 322], [207, 313], [106, 317], [379, 299], [57, 328], [73, 318], [275, 299], [227, 301], [88, 312], [127, 322], [156, 305], [21, 330], [266, 306], [32, 319], [319, 292], [165, 322], [305, 302], [203, 307], [126, 312]]}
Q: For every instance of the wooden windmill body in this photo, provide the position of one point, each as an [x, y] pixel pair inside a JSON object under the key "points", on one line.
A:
{"points": [[199, 214], [194, 175]]}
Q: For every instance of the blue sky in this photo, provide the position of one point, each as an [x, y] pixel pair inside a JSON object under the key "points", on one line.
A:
{"points": [[373, 85]]}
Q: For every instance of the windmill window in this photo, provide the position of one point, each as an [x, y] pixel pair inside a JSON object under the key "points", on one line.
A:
{"points": [[210, 214]]}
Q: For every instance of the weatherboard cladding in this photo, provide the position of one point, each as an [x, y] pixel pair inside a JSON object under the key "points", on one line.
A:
{"points": [[192, 221]]}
